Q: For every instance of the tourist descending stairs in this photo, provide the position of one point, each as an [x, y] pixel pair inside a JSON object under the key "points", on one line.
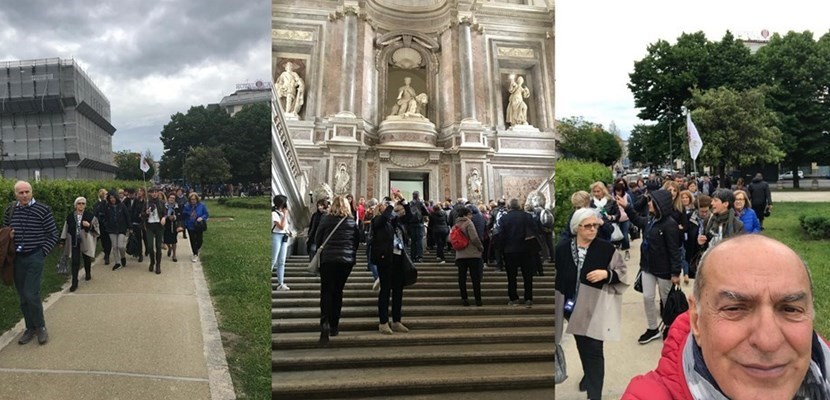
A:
{"points": [[491, 352]]}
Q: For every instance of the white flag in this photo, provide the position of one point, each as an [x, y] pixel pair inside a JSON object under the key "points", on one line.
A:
{"points": [[145, 166], [695, 142]]}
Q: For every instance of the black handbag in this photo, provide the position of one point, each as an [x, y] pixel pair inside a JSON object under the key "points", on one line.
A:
{"points": [[200, 226], [638, 282], [410, 273], [676, 304]]}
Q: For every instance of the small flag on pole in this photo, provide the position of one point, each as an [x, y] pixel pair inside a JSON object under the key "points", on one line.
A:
{"points": [[145, 166], [695, 142]]}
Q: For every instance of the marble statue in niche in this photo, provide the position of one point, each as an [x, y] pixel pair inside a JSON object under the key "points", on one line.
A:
{"points": [[341, 181], [516, 107], [474, 186], [292, 88], [408, 103]]}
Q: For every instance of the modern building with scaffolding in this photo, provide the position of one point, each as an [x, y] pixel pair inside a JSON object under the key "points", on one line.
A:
{"points": [[54, 122]]}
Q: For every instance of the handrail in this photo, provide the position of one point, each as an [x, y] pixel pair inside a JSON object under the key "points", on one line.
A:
{"points": [[286, 176]]}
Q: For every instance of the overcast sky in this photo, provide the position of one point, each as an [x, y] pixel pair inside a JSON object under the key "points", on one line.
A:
{"points": [[597, 43], [151, 58]]}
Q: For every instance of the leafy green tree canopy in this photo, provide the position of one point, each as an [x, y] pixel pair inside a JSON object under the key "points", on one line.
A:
{"points": [[588, 141], [207, 165], [128, 166]]}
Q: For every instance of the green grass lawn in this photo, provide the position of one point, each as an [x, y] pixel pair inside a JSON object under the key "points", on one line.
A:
{"points": [[783, 225], [236, 257]]}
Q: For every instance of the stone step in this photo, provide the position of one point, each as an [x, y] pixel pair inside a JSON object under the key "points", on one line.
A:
{"points": [[411, 291], [362, 382], [421, 285], [364, 277], [419, 310], [415, 323], [372, 339], [518, 394], [476, 353], [310, 298]]}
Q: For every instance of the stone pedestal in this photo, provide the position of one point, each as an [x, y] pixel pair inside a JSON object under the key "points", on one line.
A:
{"points": [[410, 131], [524, 129]]}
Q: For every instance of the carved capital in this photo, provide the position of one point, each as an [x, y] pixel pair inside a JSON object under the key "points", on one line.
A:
{"points": [[345, 11]]}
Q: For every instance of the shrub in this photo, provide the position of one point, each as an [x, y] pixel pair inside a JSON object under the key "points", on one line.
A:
{"points": [[257, 203], [573, 176], [816, 226], [60, 195]]}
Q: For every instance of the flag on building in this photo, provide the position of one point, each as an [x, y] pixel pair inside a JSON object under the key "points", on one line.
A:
{"points": [[695, 142], [145, 166]]}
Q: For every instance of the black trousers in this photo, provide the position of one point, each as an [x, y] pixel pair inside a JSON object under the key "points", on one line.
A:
{"points": [[593, 364], [513, 262], [141, 234], [106, 243], [333, 278], [391, 281], [549, 243], [759, 211], [475, 266], [440, 239], [154, 235], [76, 263], [195, 240]]}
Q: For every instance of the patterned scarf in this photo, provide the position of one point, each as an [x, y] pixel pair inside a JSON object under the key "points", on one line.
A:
{"points": [[703, 386]]}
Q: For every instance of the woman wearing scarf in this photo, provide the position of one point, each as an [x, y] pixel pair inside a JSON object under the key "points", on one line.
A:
{"points": [[154, 220], [723, 223], [81, 228], [590, 281], [117, 222], [608, 210], [388, 238]]}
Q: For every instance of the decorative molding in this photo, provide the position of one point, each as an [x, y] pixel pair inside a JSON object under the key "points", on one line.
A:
{"points": [[285, 34], [446, 187], [345, 11], [518, 52], [409, 160], [371, 176]]}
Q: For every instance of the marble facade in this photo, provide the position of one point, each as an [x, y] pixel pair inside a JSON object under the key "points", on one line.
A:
{"points": [[353, 56]]}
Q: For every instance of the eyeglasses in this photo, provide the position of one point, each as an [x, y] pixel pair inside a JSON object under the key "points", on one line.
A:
{"points": [[590, 226], [79, 203], [740, 199]]}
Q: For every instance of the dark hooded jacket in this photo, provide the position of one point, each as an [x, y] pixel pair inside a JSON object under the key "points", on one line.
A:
{"points": [[117, 218], [478, 220], [660, 250], [759, 193]]}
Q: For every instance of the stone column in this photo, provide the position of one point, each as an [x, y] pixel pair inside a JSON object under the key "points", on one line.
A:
{"points": [[349, 62], [465, 57]]}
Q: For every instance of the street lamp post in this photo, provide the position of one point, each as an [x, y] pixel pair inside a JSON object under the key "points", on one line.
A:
{"points": [[671, 166]]}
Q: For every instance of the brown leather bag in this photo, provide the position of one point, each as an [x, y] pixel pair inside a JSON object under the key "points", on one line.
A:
{"points": [[6, 256]]}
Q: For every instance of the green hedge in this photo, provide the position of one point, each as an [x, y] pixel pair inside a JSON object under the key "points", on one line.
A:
{"points": [[816, 226], [256, 203], [573, 176], [61, 194]]}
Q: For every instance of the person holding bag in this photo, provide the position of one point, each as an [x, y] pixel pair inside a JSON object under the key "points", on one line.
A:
{"points": [[469, 257], [388, 238], [81, 228], [337, 239], [590, 281], [172, 216]]}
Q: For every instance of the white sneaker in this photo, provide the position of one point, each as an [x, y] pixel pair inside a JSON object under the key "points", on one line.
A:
{"points": [[376, 285], [194, 258], [283, 287], [442, 262]]}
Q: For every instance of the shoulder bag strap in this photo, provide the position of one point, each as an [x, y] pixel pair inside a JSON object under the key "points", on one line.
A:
{"points": [[331, 233]]}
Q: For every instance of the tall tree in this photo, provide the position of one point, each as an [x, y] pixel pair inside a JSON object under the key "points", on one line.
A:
{"points": [[206, 165], [128, 165], [736, 127], [588, 141], [797, 69], [247, 143], [200, 126], [646, 146]]}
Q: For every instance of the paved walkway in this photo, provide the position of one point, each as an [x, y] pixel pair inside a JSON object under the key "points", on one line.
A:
{"points": [[624, 359], [126, 334], [806, 196]]}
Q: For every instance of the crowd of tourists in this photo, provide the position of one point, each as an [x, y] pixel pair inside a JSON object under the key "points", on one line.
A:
{"points": [[678, 219], [127, 221], [508, 236]]}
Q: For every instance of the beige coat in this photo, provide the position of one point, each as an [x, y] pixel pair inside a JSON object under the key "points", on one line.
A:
{"points": [[87, 238], [598, 312]]}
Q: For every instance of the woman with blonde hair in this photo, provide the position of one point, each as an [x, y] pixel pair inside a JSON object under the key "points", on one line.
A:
{"points": [[609, 212], [81, 228], [337, 259]]}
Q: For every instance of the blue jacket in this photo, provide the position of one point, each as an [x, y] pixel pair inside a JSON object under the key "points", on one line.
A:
{"points": [[189, 211], [750, 221]]}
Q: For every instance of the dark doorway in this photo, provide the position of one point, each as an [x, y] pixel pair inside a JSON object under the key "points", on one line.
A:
{"points": [[408, 182]]}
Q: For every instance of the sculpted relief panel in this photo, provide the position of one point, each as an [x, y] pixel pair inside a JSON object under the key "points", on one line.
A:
{"points": [[519, 186]]}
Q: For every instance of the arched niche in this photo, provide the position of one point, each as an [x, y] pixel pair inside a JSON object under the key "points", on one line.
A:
{"points": [[404, 53]]}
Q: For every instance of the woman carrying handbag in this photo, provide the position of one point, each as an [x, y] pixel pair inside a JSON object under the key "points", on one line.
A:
{"points": [[81, 230], [337, 239], [590, 281], [388, 253]]}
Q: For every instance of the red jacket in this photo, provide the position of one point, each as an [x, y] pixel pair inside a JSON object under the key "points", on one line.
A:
{"points": [[667, 382]]}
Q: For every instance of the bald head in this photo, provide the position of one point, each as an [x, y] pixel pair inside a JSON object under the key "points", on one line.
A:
{"points": [[758, 248]]}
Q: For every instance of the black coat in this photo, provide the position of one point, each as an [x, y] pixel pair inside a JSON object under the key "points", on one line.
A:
{"points": [[100, 211], [342, 247], [438, 223], [660, 251], [384, 227], [515, 227], [117, 219], [759, 193], [71, 223], [599, 256]]}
